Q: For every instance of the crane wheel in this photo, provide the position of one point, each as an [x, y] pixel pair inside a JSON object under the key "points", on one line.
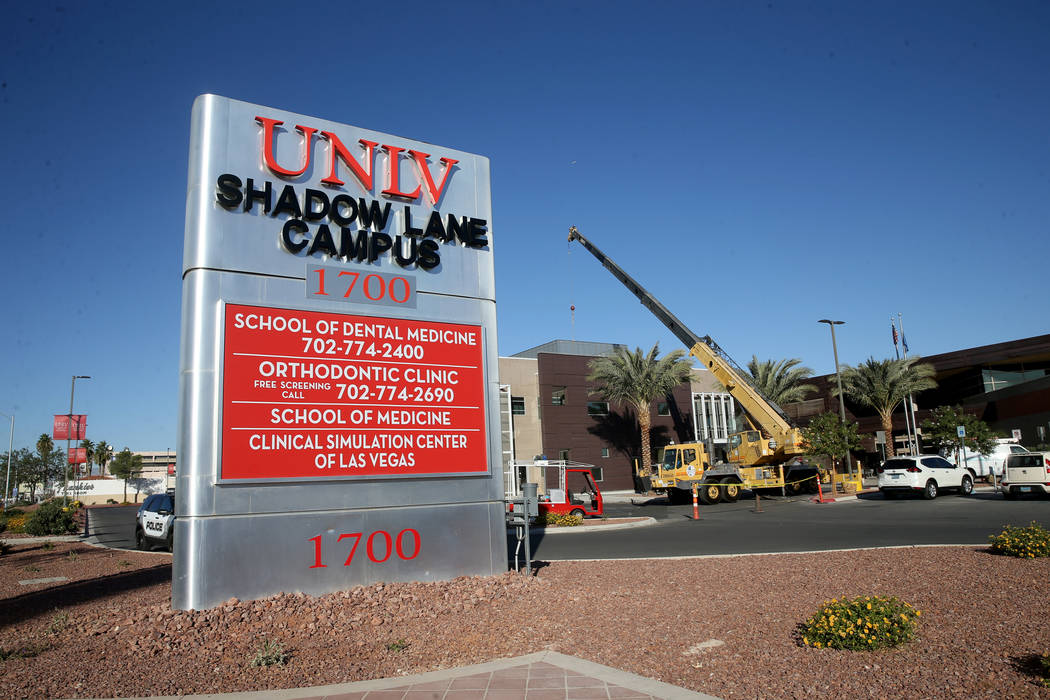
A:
{"points": [[730, 491], [710, 493]]}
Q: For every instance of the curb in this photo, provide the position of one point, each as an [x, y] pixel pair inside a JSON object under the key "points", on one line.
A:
{"points": [[635, 522]]}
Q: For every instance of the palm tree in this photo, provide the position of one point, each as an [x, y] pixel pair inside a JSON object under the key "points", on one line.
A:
{"points": [[44, 446], [883, 384], [637, 378], [781, 382], [89, 452], [103, 453]]}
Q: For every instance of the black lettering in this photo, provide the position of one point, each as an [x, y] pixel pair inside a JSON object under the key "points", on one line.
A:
{"points": [[409, 231], [312, 197], [351, 247], [336, 214], [379, 244], [434, 227], [323, 242], [477, 233], [251, 195], [372, 217], [457, 229], [428, 257], [288, 203], [229, 194], [297, 226], [398, 249]]}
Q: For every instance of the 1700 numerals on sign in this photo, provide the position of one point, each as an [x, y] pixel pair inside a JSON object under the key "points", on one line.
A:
{"points": [[379, 546]]}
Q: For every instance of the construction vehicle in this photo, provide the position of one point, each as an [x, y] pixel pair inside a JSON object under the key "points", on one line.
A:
{"points": [[575, 492], [767, 456]]}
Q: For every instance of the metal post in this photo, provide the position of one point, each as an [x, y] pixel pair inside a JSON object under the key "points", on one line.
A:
{"points": [[838, 378], [911, 404], [10, 446], [69, 430]]}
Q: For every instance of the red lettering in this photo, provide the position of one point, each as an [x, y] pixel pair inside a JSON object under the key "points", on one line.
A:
{"points": [[317, 553], [268, 140], [400, 549], [382, 287], [394, 171], [320, 282], [428, 180], [357, 539], [371, 551], [408, 291], [339, 151], [349, 289]]}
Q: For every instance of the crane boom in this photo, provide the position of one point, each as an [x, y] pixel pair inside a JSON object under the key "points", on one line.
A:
{"points": [[765, 413]]}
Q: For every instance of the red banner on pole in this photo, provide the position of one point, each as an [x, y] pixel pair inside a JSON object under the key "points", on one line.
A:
{"points": [[77, 455], [61, 429]]}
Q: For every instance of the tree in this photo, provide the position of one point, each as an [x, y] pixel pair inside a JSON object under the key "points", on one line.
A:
{"points": [[89, 450], [781, 382], [103, 453], [637, 378], [827, 436], [883, 384], [942, 429], [124, 466], [23, 468]]}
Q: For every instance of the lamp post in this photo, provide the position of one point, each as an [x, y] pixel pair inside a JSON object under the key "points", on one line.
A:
{"points": [[838, 378], [10, 445], [69, 426]]}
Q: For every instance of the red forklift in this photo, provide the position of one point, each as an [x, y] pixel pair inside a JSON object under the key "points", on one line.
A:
{"points": [[576, 492]]}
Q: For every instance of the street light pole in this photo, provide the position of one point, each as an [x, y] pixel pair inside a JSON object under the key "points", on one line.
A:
{"points": [[69, 427], [10, 446], [838, 377]]}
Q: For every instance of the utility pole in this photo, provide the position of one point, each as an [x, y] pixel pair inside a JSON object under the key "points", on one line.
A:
{"points": [[838, 377], [69, 426], [10, 446]]}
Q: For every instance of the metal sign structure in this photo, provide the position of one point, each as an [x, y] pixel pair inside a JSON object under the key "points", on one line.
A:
{"points": [[339, 400]]}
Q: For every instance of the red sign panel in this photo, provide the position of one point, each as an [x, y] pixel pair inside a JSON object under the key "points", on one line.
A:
{"points": [[307, 394], [77, 455], [61, 428]]}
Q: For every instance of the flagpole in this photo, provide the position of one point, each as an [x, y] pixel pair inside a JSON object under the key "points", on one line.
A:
{"points": [[911, 403], [907, 420]]}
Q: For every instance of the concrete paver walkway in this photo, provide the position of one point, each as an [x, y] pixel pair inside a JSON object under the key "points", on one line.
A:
{"points": [[546, 675]]}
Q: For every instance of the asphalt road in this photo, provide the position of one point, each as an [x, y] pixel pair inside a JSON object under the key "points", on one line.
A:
{"points": [[796, 525], [113, 526]]}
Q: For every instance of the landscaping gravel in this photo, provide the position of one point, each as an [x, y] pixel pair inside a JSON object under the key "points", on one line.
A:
{"points": [[110, 631]]}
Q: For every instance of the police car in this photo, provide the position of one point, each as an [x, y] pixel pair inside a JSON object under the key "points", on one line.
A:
{"points": [[155, 522]]}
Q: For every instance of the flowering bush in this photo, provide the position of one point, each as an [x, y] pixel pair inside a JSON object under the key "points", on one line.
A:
{"points": [[865, 622], [16, 520], [51, 518], [1025, 542], [558, 520]]}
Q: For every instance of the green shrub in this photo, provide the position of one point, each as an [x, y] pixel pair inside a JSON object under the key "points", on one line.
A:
{"points": [[1025, 542], [1043, 662], [271, 653], [865, 622], [557, 520], [51, 519]]}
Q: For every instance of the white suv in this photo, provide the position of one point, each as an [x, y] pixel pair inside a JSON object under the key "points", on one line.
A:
{"points": [[1027, 473], [925, 474], [155, 522]]}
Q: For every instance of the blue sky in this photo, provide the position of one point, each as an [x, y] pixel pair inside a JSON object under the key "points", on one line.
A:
{"points": [[756, 165]]}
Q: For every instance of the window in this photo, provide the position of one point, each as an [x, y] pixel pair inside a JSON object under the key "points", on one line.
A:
{"points": [[663, 408], [596, 474], [563, 455], [517, 405], [605, 452], [689, 456], [597, 408], [557, 396]]}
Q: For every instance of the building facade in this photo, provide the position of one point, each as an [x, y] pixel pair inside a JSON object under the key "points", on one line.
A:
{"points": [[556, 413]]}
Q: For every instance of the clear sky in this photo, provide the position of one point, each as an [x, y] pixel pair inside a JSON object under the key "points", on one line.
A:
{"points": [[757, 165]]}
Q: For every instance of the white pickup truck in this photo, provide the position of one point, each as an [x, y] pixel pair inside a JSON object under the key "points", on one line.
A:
{"points": [[983, 466]]}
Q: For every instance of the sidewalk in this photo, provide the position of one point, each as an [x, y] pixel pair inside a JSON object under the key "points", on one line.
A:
{"points": [[546, 675]]}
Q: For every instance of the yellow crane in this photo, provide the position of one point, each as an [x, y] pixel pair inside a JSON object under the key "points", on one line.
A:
{"points": [[765, 456]]}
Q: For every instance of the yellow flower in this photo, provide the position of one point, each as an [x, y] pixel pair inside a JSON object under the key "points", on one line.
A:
{"points": [[869, 606]]}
